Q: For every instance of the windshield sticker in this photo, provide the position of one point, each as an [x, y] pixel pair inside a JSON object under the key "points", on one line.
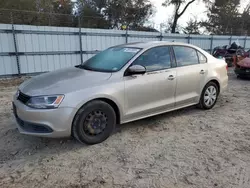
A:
{"points": [[131, 50]]}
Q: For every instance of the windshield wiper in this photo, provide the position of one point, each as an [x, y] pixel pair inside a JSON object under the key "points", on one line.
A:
{"points": [[85, 67], [79, 66], [92, 69]]}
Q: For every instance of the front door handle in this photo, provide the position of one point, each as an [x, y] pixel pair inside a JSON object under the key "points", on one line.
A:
{"points": [[171, 77], [202, 72]]}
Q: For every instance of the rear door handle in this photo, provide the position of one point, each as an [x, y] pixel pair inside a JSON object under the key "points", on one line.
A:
{"points": [[171, 77], [202, 72]]}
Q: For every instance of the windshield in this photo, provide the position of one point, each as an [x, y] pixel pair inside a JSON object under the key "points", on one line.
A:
{"points": [[110, 60]]}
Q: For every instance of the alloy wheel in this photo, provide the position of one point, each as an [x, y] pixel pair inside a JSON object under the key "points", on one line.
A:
{"points": [[210, 96]]}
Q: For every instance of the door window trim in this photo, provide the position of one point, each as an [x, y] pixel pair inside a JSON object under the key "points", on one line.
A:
{"points": [[199, 58], [191, 48], [171, 60]]}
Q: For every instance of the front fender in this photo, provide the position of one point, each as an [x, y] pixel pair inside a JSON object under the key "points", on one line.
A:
{"points": [[114, 93]]}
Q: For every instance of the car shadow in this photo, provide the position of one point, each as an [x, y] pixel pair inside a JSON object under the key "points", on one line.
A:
{"points": [[15, 145], [151, 121]]}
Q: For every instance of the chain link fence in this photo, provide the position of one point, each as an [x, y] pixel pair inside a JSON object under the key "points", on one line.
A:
{"points": [[50, 19], [23, 17], [27, 48]]}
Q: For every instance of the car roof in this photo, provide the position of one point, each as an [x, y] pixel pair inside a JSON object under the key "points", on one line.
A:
{"points": [[151, 44]]}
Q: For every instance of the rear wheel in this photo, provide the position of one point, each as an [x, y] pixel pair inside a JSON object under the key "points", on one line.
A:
{"points": [[94, 122], [209, 96]]}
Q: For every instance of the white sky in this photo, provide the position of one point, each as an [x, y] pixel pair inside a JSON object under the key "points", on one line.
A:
{"points": [[197, 9]]}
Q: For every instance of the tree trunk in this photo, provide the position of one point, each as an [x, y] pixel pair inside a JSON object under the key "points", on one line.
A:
{"points": [[174, 24], [178, 15]]}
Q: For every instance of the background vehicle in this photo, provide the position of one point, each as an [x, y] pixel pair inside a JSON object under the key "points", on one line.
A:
{"points": [[119, 85], [242, 67], [228, 52]]}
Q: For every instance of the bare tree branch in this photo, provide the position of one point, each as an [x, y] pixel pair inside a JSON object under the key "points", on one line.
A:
{"points": [[189, 3], [247, 9], [178, 7]]}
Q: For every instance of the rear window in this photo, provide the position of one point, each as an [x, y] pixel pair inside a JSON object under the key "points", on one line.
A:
{"points": [[185, 56], [157, 58]]}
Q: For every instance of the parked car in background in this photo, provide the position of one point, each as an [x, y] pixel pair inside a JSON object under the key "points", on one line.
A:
{"points": [[242, 67], [229, 52], [119, 85]]}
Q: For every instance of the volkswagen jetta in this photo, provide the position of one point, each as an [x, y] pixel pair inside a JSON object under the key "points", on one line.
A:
{"points": [[118, 85]]}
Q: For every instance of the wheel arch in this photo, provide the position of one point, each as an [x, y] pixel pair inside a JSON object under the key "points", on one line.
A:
{"points": [[216, 82], [201, 102], [114, 106], [109, 101]]}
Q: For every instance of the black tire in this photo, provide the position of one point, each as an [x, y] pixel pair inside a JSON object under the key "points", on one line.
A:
{"points": [[79, 123], [202, 103]]}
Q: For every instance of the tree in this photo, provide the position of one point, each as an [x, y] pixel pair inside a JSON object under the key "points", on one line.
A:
{"points": [[132, 13], [245, 21], [192, 27], [114, 13], [91, 13], [18, 4], [36, 12], [88, 13], [177, 11], [7, 16], [223, 17], [168, 26], [56, 12]]}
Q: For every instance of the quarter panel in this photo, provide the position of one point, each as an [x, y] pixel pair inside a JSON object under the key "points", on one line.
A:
{"points": [[218, 71]]}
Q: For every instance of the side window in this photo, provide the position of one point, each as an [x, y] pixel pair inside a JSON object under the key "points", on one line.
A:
{"points": [[155, 59], [185, 56], [202, 58]]}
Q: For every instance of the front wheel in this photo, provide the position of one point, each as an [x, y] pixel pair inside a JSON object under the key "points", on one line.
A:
{"points": [[209, 96], [94, 122]]}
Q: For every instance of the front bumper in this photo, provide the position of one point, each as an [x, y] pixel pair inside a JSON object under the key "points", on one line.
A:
{"points": [[244, 72], [43, 122]]}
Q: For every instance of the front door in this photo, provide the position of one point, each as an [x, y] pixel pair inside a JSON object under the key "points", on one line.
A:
{"points": [[153, 92]]}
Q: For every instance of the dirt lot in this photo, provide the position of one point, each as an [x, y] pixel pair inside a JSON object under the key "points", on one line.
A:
{"points": [[186, 148]]}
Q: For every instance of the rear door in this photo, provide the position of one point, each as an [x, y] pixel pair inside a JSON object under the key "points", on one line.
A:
{"points": [[191, 75]]}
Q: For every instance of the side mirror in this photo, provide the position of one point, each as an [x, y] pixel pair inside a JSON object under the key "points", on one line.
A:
{"points": [[136, 69]]}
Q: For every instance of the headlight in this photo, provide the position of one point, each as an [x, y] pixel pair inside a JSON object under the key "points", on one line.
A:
{"points": [[45, 102]]}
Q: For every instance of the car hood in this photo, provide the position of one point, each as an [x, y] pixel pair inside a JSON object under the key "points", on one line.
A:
{"points": [[63, 81]]}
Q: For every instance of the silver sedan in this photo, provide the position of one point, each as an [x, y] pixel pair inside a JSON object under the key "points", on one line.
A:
{"points": [[119, 85]]}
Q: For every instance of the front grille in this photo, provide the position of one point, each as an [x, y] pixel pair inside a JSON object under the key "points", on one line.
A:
{"points": [[23, 98], [31, 127]]}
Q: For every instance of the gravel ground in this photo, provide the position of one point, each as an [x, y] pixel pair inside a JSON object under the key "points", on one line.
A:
{"points": [[186, 148]]}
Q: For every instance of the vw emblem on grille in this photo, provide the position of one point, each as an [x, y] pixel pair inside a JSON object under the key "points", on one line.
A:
{"points": [[17, 93]]}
